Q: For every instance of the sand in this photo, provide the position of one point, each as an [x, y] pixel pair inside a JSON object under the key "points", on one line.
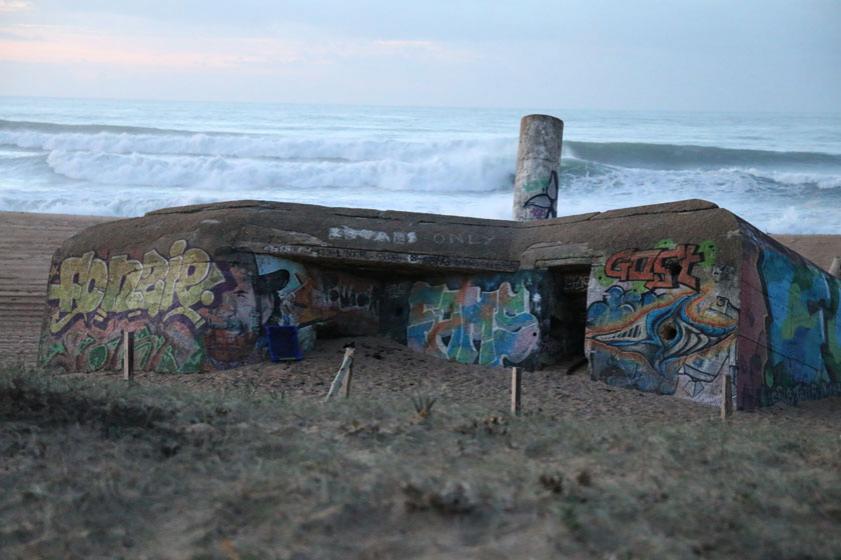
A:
{"points": [[820, 249], [28, 240], [385, 367]]}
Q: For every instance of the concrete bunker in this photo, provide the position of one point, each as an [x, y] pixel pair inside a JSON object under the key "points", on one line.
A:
{"points": [[673, 295]]}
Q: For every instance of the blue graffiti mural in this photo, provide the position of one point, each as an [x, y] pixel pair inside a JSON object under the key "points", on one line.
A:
{"points": [[647, 339], [470, 325], [800, 314]]}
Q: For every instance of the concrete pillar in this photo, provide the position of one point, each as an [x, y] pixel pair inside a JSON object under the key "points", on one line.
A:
{"points": [[835, 267], [538, 162]]}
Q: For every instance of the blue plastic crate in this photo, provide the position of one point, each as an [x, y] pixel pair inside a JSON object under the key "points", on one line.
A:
{"points": [[283, 343]]}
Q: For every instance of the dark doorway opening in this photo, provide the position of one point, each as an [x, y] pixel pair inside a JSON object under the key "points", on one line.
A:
{"points": [[568, 313]]}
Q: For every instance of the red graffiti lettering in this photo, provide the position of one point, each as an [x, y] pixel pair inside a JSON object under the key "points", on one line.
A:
{"points": [[658, 268]]}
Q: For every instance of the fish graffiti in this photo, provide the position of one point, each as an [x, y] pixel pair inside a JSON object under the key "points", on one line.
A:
{"points": [[543, 204], [470, 325]]}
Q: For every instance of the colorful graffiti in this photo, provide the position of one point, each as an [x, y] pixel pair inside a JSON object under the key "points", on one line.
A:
{"points": [[469, 325], [658, 323], [293, 294], [790, 335], [81, 350], [169, 303], [653, 338], [658, 268], [233, 325], [543, 204], [89, 286]]}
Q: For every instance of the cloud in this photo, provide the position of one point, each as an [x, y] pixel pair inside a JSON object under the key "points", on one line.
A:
{"points": [[49, 44], [10, 6], [432, 49]]}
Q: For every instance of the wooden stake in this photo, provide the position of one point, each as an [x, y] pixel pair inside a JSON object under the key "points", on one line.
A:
{"points": [[128, 355], [726, 396], [516, 387], [346, 382], [339, 383]]}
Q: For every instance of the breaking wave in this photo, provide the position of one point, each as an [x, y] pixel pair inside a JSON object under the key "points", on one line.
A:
{"points": [[128, 170], [669, 156]]}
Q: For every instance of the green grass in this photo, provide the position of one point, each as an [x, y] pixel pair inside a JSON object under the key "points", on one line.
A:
{"points": [[101, 469]]}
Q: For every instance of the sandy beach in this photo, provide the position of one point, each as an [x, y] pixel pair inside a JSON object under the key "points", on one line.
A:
{"points": [[28, 240], [27, 243]]}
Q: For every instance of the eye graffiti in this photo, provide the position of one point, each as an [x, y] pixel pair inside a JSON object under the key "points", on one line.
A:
{"points": [[664, 331]]}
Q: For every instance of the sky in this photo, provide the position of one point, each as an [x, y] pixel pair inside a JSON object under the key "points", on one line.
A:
{"points": [[703, 55]]}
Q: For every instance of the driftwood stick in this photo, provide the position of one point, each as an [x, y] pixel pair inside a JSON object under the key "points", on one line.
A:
{"points": [[345, 389], [342, 381], [516, 390]]}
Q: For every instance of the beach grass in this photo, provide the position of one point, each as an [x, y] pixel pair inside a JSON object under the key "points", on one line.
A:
{"points": [[100, 468]]}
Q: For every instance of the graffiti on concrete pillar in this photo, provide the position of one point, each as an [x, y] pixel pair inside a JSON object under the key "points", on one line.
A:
{"points": [[470, 325], [543, 204]]}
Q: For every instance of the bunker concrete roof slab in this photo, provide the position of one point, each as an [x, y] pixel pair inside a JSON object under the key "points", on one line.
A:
{"points": [[409, 240]]}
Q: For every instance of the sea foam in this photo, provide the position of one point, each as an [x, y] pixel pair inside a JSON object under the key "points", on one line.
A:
{"points": [[122, 170]]}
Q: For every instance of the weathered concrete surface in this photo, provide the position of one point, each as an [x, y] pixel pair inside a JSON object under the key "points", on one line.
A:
{"points": [[538, 163], [400, 240], [585, 238], [396, 240]]}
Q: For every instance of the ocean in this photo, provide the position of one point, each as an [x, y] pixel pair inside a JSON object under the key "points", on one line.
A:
{"points": [[782, 172]]}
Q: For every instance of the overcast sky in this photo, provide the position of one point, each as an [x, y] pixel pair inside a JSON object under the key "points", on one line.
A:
{"points": [[621, 54]]}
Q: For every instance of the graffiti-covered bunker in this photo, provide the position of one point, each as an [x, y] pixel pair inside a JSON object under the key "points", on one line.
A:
{"points": [[663, 298]]}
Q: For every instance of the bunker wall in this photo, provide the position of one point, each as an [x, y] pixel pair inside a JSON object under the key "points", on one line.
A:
{"points": [[663, 307], [181, 304], [190, 312], [789, 328]]}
